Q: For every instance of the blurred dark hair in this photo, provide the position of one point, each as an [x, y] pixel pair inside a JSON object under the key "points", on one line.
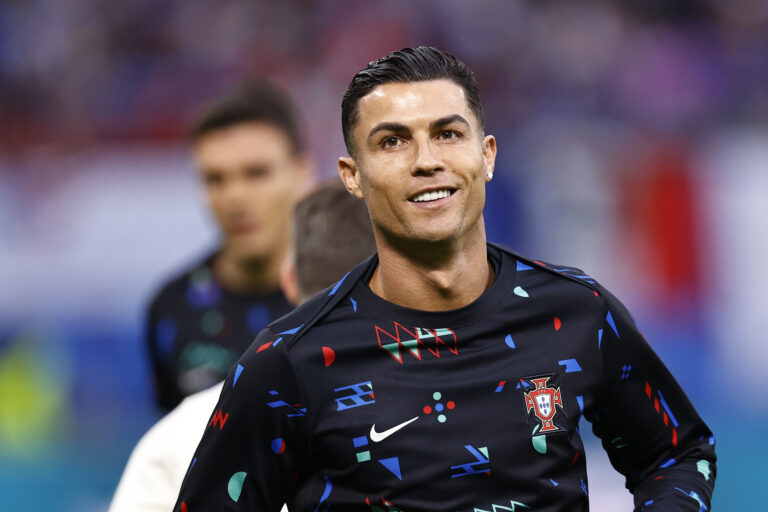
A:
{"points": [[255, 100], [331, 234], [416, 64]]}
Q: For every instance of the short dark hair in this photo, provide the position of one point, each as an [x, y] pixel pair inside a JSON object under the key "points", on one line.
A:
{"points": [[417, 64], [255, 100], [332, 233]]}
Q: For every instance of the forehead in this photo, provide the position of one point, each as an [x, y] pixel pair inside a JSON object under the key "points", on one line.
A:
{"points": [[413, 102], [255, 140]]}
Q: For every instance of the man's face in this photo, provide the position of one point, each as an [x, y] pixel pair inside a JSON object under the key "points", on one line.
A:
{"points": [[252, 181], [421, 162]]}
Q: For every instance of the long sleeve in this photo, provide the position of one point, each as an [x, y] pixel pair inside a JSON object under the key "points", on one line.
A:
{"points": [[256, 439], [159, 461], [651, 431], [147, 483], [159, 360]]}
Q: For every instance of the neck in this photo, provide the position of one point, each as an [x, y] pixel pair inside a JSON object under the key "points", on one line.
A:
{"points": [[248, 275], [433, 277]]}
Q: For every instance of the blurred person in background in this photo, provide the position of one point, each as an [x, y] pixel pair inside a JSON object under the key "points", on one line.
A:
{"points": [[444, 372], [250, 154], [331, 234]]}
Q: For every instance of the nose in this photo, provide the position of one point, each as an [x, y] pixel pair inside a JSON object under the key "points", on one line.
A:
{"points": [[235, 192], [428, 160]]}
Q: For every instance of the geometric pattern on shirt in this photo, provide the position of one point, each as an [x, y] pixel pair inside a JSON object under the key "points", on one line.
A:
{"points": [[388, 506], [297, 409], [411, 341], [667, 416], [391, 463], [362, 394], [439, 407], [500, 508], [478, 466]]}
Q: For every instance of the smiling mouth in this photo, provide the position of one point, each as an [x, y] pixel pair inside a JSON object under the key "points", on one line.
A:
{"points": [[432, 195]]}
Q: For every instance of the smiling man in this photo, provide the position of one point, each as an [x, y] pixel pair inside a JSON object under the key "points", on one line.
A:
{"points": [[421, 161], [444, 373]]}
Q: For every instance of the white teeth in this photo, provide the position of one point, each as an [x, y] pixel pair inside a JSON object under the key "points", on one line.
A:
{"points": [[431, 196]]}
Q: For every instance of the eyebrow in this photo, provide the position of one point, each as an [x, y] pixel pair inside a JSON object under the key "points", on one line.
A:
{"points": [[455, 118], [389, 127], [398, 127]]}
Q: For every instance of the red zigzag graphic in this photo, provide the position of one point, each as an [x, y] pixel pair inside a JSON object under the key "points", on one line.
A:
{"points": [[411, 341], [218, 420]]}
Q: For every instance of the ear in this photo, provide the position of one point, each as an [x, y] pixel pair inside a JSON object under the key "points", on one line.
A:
{"points": [[288, 280], [350, 176], [489, 156]]}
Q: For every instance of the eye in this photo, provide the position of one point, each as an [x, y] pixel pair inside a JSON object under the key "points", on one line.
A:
{"points": [[449, 134], [213, 179], [256, 172], [391, 142]]}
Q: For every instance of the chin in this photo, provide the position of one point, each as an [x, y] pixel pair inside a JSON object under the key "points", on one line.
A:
{"points": [[444, 234], [249, 249], [434, 237]]}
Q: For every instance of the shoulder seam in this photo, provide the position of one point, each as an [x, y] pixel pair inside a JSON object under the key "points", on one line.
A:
{"points": [[541, 266], [339, 290]]}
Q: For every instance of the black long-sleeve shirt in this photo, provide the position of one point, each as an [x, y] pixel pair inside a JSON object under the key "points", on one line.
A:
{"points": [[354, 403], [196, 330]]}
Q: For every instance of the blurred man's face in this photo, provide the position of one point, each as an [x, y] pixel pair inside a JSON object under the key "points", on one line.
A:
{"points": [[422, 162], [252, 180]]}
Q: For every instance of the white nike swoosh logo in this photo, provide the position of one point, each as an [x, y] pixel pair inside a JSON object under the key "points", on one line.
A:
{"points": [[380, 436]]}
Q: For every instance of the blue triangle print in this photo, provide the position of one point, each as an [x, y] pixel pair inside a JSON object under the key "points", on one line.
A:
{"points": [[238, 371], [609, 319], [392, 464]]}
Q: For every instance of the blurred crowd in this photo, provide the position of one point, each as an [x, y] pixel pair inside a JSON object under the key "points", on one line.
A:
{"points": [[81, 72], [609, 97]]}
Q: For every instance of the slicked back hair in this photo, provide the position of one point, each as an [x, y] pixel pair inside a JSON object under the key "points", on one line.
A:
{"points": [[253, 101], [332, 233], [417, 64]]}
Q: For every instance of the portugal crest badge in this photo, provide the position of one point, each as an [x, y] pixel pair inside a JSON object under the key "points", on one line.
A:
{"points": [[543, 400]]}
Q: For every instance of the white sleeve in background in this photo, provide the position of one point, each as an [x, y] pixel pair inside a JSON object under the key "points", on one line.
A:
{"points": [[152, 478], [159, 461]]}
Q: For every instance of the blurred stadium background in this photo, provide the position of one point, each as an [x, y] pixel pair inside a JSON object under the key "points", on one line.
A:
{"points": [[633, 142]]}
